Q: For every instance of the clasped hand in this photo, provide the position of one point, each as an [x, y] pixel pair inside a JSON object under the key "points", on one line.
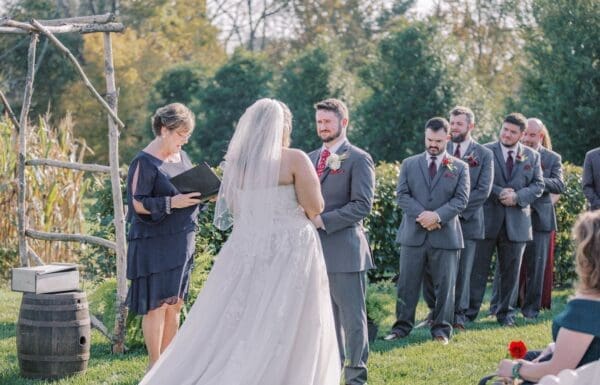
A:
{"points": [[508, 197], [429, 220]]}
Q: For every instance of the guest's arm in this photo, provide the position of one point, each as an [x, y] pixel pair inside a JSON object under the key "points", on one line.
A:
{"points": [[569, 349]]}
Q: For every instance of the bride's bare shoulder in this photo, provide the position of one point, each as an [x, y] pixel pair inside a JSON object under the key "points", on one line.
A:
{"points": [[293, 156]]}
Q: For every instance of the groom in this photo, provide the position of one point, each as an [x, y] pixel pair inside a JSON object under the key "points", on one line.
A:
{"points": [[347, 182]]}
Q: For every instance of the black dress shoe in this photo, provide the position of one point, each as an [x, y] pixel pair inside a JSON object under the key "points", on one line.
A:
{"points": [[458, 326], [393, 336], [443, 340]]}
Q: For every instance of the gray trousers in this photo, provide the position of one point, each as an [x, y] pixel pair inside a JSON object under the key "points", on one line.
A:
{"points": [[535, 258], [348, 294], [443, 265], [510, 255], [462, 287]]}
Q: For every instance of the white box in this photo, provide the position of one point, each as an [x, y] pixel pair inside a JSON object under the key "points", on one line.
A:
{"points": [[46, 279]]}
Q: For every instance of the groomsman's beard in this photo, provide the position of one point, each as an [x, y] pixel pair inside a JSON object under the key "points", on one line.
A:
{"points": [[458, 138], [434, 151]]}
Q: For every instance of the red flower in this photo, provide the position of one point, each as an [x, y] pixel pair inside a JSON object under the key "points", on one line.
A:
{"points": [[517, 349], [448, 163], [471, 160]]}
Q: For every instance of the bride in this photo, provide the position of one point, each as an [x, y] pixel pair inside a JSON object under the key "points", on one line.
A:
{"points": [[264, 316]]}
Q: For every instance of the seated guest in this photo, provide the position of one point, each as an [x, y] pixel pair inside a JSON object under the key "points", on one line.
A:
{"points": [[576, 331]]}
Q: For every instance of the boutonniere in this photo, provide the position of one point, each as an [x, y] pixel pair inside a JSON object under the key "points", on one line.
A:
{"points": [[521, 157], [448, 163], [334, 162], [471, 160]]}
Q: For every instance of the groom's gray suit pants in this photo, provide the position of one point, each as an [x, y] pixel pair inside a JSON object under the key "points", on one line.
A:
{"points": [[348, 292]]}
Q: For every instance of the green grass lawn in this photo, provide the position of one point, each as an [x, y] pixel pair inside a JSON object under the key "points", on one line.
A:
{"points": [[415, 360]]}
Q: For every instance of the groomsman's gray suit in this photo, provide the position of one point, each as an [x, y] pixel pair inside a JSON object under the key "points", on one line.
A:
{"points": [[447, 194], [481, 168], [591, 178], [348, 193], [507, 229], [543, 221]]}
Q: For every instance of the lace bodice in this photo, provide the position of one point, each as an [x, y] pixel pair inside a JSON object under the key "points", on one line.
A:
{"points": [[283, 205]]}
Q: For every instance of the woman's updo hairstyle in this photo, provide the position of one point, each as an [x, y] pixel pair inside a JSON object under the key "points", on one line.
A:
{"points": [[586, 234], [173, 116]]}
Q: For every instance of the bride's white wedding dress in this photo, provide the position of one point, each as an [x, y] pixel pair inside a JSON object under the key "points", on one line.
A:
{"points": [[264, 316]]}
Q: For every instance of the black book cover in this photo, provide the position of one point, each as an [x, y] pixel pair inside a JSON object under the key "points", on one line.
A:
{"points": [[200, 179]]}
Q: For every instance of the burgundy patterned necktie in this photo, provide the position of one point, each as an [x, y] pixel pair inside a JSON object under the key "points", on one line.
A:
{"points": [[457, 151], [509, 163], [323, 162], [432, 167]]}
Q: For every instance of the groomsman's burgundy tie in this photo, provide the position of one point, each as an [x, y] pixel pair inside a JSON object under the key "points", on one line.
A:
{"points": [[509, 163], [323, 162], [457, 151], [432, 167]]}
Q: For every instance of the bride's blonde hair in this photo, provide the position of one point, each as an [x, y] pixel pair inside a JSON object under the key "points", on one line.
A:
{"points": [[287, 124], [586, 234]]}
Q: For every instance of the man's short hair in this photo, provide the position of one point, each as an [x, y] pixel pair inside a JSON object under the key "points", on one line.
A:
{"points": [[517, 119], [437, 123], [335, 105], [462, 110]]}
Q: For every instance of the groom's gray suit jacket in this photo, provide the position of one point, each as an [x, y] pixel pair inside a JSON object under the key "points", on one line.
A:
{"points": [[348, 194], [447, 194]]}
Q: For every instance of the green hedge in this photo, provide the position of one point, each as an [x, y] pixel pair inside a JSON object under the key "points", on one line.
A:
{"points": [[381, 227], [569, 206]]}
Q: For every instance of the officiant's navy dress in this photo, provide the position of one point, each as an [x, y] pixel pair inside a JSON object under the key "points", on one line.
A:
{"points": [[161, 245]]}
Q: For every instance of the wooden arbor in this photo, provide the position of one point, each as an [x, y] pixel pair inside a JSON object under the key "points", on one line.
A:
{"points": [[90, 24]]}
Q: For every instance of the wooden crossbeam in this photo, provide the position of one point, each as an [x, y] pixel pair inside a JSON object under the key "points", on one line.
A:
{"points": [[70, 165], [46, 236], [18, 27]]}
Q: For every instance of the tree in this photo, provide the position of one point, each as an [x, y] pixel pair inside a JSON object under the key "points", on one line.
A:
{"points": [[243, 79], [305, 80], [181, 83], [53, 73], [484, 42], [174, 33], [410, 83], [561, 85]]}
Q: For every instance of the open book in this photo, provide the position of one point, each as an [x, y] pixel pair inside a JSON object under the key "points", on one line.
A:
{"points": [[200, 179]]}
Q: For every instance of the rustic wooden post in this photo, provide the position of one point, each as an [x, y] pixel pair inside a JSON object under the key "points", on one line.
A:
{"points": [[21, 208], [119, 217], [84, 24]]}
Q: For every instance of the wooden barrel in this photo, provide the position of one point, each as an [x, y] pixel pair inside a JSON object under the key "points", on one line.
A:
{"points": [[53, 334]]}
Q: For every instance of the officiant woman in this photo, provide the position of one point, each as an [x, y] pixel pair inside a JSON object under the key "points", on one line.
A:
{"points": [[162, 224]]}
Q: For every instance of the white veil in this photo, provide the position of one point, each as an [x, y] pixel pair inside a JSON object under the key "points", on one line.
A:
{"points": [[251, 168]]}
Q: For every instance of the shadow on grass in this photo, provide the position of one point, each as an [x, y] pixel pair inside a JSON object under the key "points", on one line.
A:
{"points": [[483, 322], [7, 330]]}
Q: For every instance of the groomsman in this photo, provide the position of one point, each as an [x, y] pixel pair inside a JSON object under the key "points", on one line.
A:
{"points": [[347, 177], [433, 189], [543, 218], [481, 167], [591, 178], [517, 183]]}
